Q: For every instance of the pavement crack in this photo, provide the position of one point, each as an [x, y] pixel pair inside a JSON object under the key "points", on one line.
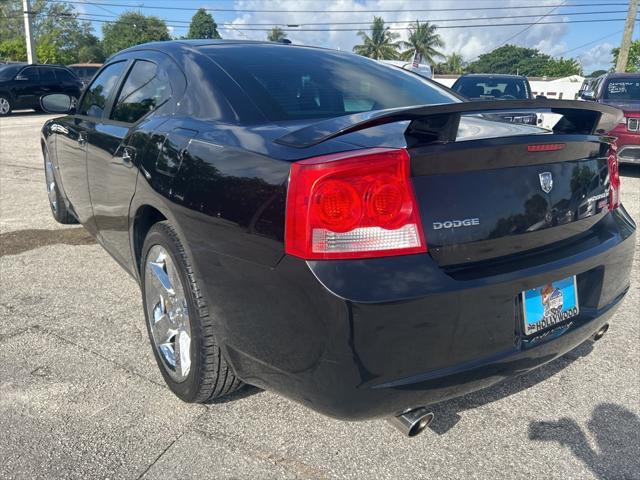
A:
{"points": [[160, 456]]}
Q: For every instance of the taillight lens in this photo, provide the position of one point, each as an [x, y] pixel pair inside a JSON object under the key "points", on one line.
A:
{"points": [[353, 205], [614, 177]]}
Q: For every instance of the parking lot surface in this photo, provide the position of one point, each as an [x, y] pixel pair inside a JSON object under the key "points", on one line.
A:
{"points": [[81, 396]]}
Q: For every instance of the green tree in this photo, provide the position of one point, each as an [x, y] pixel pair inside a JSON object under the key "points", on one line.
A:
{"points": [[453, 65], [633, 62], [14, 49], [203, 26], [59, 35], [276, 35], [381, 45], [511, 59], [561, 67], [132, 28], [423, 39], [596, 73]]}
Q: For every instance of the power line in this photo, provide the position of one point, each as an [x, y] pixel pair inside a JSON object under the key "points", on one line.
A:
{"points": [[486, 25], [432, 20], [548, 14], [591, 42], [252, 10]]}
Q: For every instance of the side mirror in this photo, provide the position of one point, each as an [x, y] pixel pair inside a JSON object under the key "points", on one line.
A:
{"points": [[541, 97], [588, 95], [57, 103]]}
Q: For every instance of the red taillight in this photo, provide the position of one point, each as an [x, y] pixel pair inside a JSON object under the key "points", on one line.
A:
{"points": [[545, 147], [614, 177], [353, 205]]}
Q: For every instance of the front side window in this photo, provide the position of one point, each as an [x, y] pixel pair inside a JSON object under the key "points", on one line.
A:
{"points": [[145, 88], [95, 99], [623, 89], [7, 72]]}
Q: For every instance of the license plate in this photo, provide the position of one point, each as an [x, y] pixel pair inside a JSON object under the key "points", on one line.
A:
{"points": [[549, 304]]}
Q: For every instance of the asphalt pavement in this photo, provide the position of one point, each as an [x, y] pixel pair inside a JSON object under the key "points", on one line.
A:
{"points": [[81, 396]]}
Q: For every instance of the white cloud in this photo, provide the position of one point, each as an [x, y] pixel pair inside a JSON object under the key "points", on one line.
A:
{"points": [[598, 57], [470, 42]]}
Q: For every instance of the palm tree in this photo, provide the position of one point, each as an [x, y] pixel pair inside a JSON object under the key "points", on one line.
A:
{"points": [[381, 45], [423, 39], [453, 64], [276, 35]]}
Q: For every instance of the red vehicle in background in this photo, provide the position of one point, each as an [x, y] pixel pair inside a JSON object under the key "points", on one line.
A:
{"points": [[621, 90]]}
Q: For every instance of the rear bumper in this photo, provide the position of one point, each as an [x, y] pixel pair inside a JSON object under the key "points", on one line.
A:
{"points": [[364, 339], [628, 145]]}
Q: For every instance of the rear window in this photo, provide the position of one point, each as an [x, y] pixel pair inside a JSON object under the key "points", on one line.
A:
{"points": [[290, 83], [623, 89], [492, 88]]}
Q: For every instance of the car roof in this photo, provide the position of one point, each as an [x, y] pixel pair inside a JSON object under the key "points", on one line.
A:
{"points": [[173, 47], [492, 75], [622, 75], [98, 65]]}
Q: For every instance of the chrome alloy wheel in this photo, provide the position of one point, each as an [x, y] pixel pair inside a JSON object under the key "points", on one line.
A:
{"points": [[168, 313], [51, 182], [5, 106]]}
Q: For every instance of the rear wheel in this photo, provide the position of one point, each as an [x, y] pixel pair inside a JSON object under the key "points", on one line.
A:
{"points": [[178, 321], [57, 204], [5, 106]]}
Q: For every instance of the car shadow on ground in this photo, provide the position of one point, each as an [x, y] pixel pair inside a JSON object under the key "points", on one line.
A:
{"points": [[447, 413], [611, 427]]}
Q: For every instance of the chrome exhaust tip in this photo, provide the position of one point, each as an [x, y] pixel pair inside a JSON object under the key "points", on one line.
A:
{"points": [[600, 333], [412, 422]]}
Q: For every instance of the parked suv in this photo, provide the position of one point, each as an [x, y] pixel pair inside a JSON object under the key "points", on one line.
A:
{"points": [[622, 90], [22, 85], [85, 71]]}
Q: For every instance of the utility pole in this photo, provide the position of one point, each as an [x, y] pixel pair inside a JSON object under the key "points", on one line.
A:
{"points": [[28, 32], [623, 54]]}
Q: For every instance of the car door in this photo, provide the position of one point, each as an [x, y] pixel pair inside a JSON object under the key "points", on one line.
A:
{"points": [[27, 91], [112, 150], [71, 140], [47, 83]]}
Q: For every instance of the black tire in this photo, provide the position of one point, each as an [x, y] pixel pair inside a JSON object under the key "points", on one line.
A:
{"points": [[59, 210], [210, 376], [3, 111]]}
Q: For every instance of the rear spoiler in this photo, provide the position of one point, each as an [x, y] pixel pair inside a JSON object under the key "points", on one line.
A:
{"points": [[439, 123]]}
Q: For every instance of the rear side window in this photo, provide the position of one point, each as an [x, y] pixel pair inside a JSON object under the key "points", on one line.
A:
{"points": [[290, 83], [64, 76], [95, 99], [47, 75], [145, 88]]}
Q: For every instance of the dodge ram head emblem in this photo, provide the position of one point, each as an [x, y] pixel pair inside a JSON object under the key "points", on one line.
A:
{"points": [[546, 181]]}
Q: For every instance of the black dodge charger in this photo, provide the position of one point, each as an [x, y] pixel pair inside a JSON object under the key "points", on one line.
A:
{"points": [[354, 237]]}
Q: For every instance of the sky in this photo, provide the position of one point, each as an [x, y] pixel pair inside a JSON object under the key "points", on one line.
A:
{"points": [[589, 43]]}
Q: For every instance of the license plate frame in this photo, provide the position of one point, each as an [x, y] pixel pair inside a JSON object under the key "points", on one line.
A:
{"points": [[549, 305]]}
